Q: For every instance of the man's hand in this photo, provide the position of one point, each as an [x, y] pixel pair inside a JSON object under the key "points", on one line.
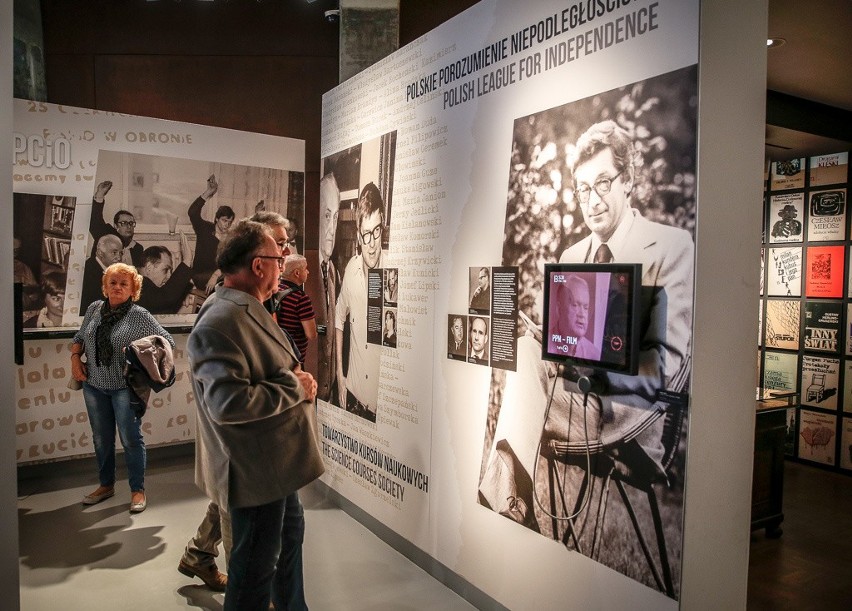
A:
{"points": [[212, 187], [184, 249], [309, 384], [211, 283], [101, 190]]}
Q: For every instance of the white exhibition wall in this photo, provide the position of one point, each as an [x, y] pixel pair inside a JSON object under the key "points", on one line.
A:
{"points": [[157, 168], [476, 119]]}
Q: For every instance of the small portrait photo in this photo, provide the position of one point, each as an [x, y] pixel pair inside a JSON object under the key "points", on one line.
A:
{"points": [[391, 286], [478, 340], [389, 328], [480, 290], [457, 337]]}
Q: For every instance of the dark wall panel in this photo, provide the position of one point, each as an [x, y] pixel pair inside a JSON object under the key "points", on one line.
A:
{"points": [[192, 27], [281, 96], [242, 64], [70, 80]]}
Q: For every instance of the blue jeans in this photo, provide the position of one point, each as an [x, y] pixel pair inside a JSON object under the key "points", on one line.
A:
{"points": [[108, 409], [266, 559]]}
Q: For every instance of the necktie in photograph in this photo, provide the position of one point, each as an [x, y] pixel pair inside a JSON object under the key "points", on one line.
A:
{"points": [[603, 254], [324, 266]]}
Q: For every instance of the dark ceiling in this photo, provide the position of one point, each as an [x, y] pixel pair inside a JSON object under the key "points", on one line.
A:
{"points": [[809, 83]]}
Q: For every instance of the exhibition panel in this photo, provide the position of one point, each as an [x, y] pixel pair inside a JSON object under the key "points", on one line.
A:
{"points": [[93, 188], [452, 171]]}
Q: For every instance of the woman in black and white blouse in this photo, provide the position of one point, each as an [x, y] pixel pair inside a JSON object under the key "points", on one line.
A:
{"points": [[109, 326]]}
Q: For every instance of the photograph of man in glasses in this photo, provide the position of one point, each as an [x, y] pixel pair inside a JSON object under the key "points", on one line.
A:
{"points": [[358, 389], [124, 226]]}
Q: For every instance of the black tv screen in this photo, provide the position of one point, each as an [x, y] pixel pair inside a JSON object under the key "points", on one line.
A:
{"points": [[591, 315]]}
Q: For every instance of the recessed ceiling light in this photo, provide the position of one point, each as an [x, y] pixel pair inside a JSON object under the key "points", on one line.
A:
{"points": [[775, 42]]}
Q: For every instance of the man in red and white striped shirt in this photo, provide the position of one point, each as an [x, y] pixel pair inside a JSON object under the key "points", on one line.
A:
{"points": [[295, 312]]}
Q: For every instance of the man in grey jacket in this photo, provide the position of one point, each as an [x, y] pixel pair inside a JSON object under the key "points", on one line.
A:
{"points": [[256, 441]]}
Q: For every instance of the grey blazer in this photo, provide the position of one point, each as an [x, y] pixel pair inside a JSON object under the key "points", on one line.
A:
{"points": [[257, 435], [667, 256]]}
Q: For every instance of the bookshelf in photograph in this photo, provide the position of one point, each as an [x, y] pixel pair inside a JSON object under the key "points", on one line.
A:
{"points": [[56, 235]]}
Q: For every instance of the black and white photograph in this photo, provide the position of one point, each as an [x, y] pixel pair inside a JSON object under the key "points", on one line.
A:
{"points": [[457, 337], [390, 291], [362, 180], [389, 328], [478, 344], [609, 178], [41, 229], [169, 229], [480, 290]]}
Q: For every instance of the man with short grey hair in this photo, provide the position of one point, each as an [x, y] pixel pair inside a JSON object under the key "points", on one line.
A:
{"points": [[257, 439], [295, 313], [108, 250]]}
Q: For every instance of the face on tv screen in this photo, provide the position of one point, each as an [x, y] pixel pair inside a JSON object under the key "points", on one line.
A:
{"points": [[589, 315]]}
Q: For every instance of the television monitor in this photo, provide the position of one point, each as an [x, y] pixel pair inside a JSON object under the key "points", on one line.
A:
{"points": [[591, 315]]}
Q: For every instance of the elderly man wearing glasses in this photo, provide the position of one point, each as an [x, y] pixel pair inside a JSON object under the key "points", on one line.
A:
{"points": [[256, 443], [358, 390], [124, 226], [603, 168]]}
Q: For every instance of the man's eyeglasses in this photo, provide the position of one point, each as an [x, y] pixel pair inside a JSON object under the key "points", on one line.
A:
{"points": [[126, 223], [369, 236], [602, 186], [280, 260]]}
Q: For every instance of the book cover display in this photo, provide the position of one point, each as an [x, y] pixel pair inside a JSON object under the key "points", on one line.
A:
{"points": [[821, 331], [805, 270], [782, 323]]}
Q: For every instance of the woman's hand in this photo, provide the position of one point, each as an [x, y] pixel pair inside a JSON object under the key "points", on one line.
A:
{"points": [[79, 370]]}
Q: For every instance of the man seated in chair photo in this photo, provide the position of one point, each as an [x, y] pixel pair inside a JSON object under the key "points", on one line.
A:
{"points": [[602, 165]]}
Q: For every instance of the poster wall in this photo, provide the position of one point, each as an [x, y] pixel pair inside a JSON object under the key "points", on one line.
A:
{"points": [[93, 188], [462, 162], [806, 232]]}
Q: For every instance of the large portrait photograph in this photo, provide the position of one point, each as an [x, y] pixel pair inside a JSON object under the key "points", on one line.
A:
{"points": [[600, 468], [356, 202], [166, 216]]}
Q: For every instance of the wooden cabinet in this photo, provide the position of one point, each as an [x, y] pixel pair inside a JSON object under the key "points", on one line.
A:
{"points": [[768, 477]]}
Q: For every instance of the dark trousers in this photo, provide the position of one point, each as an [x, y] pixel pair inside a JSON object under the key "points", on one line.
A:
{"points": [[266, 559]]}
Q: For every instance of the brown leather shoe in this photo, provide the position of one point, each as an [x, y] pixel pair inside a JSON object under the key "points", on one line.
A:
{"points": [[210, 575]]}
